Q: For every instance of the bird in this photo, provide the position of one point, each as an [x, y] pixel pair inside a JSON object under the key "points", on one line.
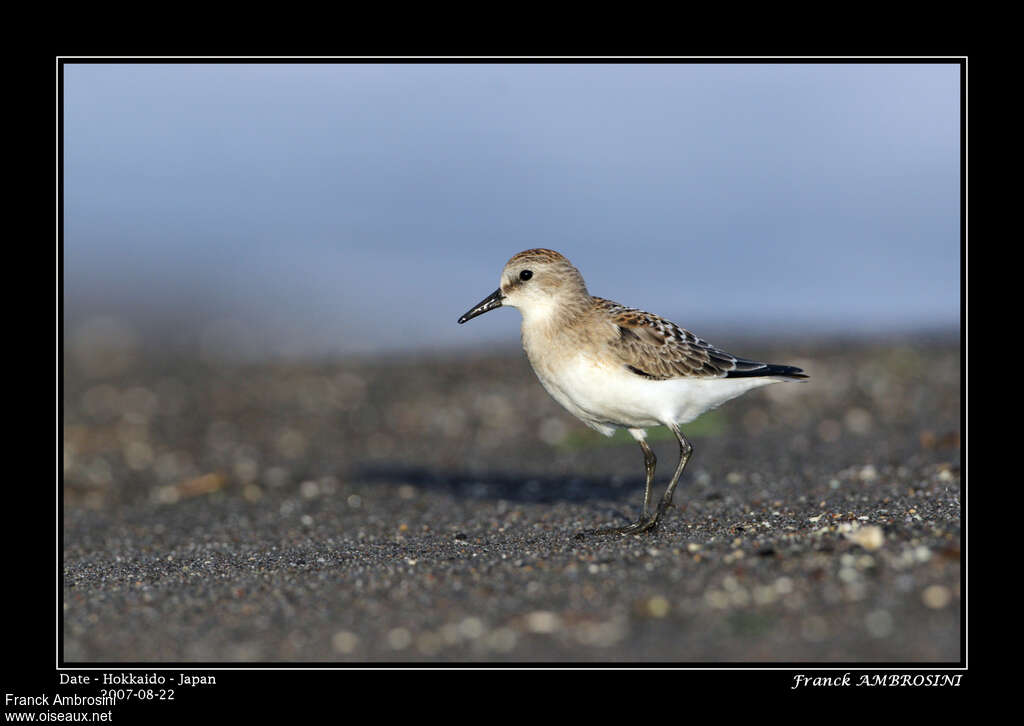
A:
{"points": [[617, 367]]}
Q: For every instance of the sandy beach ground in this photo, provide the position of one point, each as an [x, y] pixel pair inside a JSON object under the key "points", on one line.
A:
{"points": [[423, 509]]}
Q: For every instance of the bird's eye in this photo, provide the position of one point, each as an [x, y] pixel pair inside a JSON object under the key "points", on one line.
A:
{"points": [[525, 275]]}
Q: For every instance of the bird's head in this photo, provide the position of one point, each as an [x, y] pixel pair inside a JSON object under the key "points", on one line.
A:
{"points": [[540, 282]]}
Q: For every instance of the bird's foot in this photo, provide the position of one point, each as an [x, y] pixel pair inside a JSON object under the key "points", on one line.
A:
{"points": [[637, 527]]}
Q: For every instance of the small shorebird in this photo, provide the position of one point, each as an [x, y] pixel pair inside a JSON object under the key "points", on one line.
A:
{"points": [[618, 367]]}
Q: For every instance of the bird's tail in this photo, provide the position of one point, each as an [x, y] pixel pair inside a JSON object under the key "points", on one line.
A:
{"points": [[771, 370]]}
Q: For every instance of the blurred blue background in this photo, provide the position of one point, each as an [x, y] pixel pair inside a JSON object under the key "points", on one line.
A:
{"points": [[294, 209]]}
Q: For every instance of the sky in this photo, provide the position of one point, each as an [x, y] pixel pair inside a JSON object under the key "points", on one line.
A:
{"points": [[333, 208]]}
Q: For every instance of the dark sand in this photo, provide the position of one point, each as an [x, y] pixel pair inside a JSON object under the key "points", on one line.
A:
{"points": [[424, 510]]}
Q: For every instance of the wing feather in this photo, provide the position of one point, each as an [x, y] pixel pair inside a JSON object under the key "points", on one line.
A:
{"points": [[656, 348]]}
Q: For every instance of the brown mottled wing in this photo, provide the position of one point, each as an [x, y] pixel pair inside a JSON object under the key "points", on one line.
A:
{"points": [[650, 346]]}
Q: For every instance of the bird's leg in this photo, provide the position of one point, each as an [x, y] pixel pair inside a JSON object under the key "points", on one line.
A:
{"points": [[650, 461], [685, 450], [644, 522]]}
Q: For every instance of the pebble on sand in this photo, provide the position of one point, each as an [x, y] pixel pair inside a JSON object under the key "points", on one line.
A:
{"points": [[936, 597], [870, 538]]}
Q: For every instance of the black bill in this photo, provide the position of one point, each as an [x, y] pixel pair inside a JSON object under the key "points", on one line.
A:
{"points": [[488, 303]]}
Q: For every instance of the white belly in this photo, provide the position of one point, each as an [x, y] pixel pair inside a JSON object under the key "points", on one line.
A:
{"points": [[608, 396]]}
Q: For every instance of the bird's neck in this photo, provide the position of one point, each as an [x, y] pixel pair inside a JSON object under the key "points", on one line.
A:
{"points": [[543, 324]]}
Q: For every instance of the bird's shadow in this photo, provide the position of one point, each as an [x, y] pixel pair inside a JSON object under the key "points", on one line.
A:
{"points": [[508, 485]]}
